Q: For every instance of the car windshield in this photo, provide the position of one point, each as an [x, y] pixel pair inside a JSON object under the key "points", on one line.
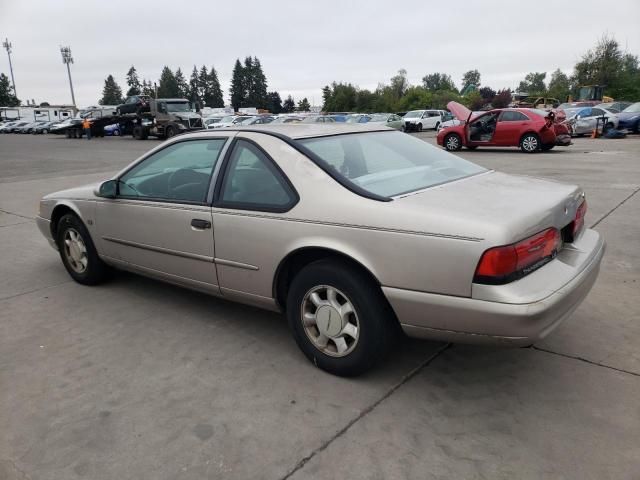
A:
{"points": [[635, 108], [413, 114], [227, 119], [389, 163], [178, 107]]}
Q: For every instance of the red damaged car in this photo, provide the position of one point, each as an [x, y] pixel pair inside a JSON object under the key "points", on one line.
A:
{"points": [[530, 129]]}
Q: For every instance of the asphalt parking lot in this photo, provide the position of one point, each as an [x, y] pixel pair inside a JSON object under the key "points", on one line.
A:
{"points": [[136, 379]]}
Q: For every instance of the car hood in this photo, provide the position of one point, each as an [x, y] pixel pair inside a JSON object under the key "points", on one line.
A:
{"points": [[493, 206], [459, 111], [84, 192]]}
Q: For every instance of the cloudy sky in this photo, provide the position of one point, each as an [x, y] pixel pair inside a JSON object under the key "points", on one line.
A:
{"points": [[302, 44]]}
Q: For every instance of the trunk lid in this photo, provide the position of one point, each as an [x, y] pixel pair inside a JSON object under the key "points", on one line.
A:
{"points": [[496, 207]]}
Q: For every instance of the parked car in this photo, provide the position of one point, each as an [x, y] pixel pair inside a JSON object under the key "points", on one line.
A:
{"points": [[450, 121], [564, 106], [211, 121], [287, 119], [319, 119], [28, 128], [353, 231], [44, 127], [531, 130], [7, 126], [629, 118], [15, 126], [112, 130], [388, 119], [230, 121], [339, 117], [134, 104], [417, 120], [584, 120], [257, 120], [615, 107], [358, 118]]}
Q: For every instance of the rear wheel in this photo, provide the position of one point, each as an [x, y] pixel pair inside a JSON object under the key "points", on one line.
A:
{"points": [[339, 317], [436, 127], [419, 127], [530, 143], [170, 132], [78, 253], [452, 142]]}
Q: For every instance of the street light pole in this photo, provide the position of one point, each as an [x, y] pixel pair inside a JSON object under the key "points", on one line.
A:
{"points": [[67, 59], [7, 46]]}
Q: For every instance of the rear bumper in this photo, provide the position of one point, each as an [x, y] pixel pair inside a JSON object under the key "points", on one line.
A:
{"points": [[471, 320]]}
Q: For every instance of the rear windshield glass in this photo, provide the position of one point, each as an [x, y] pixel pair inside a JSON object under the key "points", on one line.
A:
{"points": [[389, 163]]}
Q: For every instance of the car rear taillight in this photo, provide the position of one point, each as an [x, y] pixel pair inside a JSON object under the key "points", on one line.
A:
{"points": [[500, 265], [578, 221]]}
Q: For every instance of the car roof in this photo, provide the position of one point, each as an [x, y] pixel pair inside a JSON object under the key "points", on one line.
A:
{"points": [[304, 130]]}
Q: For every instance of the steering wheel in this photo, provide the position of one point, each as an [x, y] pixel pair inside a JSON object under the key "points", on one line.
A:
{"points": [[181, 178]]}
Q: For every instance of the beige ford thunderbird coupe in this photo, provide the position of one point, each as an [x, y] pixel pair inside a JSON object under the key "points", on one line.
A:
{"points": [[352, 231]]}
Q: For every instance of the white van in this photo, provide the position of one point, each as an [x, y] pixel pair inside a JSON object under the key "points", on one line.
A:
{"points": [[419, 120]]}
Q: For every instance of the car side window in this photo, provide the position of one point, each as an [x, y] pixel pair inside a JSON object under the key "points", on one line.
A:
{"points": [[253, 182], [179, 173], [596, 112], [509, 116]]}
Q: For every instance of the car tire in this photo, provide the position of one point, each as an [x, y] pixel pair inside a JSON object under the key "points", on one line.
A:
{"points": [[419, 128], [452, 142], [547, 146], [170, 132], [78, 254], [45, 131], [436, 127], [116, 133], [345, 344], [530, 143], [608, 126]]}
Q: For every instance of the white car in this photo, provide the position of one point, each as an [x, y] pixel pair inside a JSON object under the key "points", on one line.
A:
{"points": [[230, 121], [583, 120], [210, 122], [419, 120]]}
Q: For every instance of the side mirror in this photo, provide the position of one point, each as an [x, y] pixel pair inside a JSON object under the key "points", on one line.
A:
{"points": [[107, 189]]}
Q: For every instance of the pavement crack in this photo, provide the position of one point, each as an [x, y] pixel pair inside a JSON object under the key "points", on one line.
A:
{"points": [[2, 299], [628, 197], [586, 360], [366, 411], [2, 210]]}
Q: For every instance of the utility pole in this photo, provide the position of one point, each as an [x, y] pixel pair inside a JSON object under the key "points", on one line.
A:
{"points": [[67, 59], [7, 46]]}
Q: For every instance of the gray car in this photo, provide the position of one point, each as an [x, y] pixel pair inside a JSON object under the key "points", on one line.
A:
{"points": [[353, 231]]}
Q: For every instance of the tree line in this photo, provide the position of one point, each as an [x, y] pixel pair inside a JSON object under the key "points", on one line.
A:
{"points": [[248, 88], [605, 64]]}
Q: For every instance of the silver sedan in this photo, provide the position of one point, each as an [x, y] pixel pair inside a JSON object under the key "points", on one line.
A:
{"points": [[351, 231]]}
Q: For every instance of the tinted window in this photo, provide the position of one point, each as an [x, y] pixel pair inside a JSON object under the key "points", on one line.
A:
{"points": [[510, 116], [253, 182], [389, 163], [180, 172], [596, 112]]}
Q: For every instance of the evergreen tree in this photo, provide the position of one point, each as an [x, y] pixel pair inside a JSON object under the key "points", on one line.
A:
{"points": [[274, 102], [111, 93], [289, 105], [257, 84], [237, 90], [147, 89], [303, 105], [7, 98], [168, 86], [135, 88], [247, 83], [216, 99], [183, 86], [194, 87]]}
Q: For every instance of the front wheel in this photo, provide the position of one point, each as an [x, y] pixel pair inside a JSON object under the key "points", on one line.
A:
{"points": [[530, 143], [452, 142], [339, 317], [436, 127], [78, 253], [419, 127], [170, 132]]}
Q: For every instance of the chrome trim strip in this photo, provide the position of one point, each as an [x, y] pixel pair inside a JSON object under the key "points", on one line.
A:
{"points": [[231, 263], [345, 225], [153, 248]]}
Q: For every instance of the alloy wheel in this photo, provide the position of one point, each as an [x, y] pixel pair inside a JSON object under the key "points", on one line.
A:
{"points": [[452, 142], [530, 143], [330, 320], [75, 251]]}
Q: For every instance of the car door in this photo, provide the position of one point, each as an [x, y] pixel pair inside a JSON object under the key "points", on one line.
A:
{"points": [[251, 193], [160, 221], [585, 122], [510, 124]]}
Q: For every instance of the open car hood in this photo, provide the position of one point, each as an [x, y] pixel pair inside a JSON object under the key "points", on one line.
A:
{"points": [[459, 111]]}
